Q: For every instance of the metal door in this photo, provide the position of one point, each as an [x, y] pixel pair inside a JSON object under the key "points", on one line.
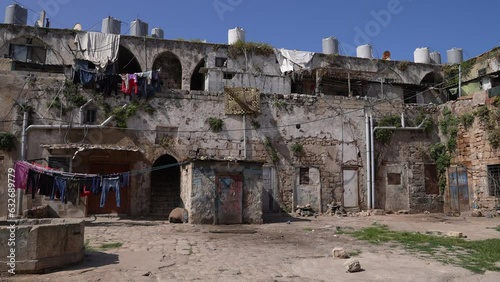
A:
{"points": [[229, 199], [351, 195], [459, 189]]}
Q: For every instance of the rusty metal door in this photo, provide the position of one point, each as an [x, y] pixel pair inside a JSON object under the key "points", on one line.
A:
{"points": [[229, 200], [459, 189]]}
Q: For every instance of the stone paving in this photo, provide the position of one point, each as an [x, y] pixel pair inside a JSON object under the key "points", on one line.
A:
{"points": [[295, 251]]}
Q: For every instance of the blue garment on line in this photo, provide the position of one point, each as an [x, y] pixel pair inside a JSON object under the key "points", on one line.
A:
{"points": [[107, 185], [60, 184], [96, 185], [87, 77]]}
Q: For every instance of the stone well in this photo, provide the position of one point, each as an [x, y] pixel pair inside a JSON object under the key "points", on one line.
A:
{"points": [[42, 244]]}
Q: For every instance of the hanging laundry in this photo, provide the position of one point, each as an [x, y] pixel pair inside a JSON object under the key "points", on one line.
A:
{"points": [[87, 76], [73, 191], [109, 184], [99, 48], [46, 184], [21, 175], [60, 184], [33, 182]]}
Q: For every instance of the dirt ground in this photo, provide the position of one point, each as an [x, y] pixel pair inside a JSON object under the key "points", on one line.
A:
{"points": [[299, 250]]}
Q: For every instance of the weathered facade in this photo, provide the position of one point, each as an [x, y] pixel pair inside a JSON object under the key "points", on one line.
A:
{"points": [[307, 128]]}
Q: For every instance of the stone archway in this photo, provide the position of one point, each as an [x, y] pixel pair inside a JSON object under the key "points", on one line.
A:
{"points": [[127, 62], [171, 70], [198, 78], [165, 186]]}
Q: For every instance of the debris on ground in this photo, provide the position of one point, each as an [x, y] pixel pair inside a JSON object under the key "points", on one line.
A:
{"points": [[352, 266], [339, 253], [305, 211]]}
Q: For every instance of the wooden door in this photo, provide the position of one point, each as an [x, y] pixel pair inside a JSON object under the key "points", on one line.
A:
{"points": [[229, 200]]}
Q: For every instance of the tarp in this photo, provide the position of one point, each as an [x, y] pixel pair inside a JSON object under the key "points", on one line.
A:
{"points": [[99, 48], [292, 60]]}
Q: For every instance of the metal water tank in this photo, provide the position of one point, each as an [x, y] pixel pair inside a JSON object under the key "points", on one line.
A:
{"points": [[330, 46], [364, 51], [139, 28], [455, 55], [422, 55], [15, 14], [236, 34], [157, 33], [111, 25], [436, 58]]}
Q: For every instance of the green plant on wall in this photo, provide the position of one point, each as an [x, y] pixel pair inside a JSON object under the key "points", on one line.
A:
{"points": [[268, 145], [403, 65], [7, 141], [297, 148], [215, 124], [441, 156], [384, 135], [122, 114], [424, 120], [241, 48], [467, 120], [72, 94], [255, 124]]}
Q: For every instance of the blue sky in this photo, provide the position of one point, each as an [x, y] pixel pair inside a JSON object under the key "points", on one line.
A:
{"points": [[399, 26]]}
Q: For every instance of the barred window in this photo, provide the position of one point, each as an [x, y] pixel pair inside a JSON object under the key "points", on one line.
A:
{"points": [[494, 180]]}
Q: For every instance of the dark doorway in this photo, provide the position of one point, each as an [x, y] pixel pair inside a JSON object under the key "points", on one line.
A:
{"points": [[165, 186], [198, 79], [171, 70]]}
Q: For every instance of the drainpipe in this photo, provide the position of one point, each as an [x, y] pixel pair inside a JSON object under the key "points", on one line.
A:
{"points": [[66, 126], [372, 163], [245, 136], [19, 206], [418, 128], [368, 162], [83, 107]]}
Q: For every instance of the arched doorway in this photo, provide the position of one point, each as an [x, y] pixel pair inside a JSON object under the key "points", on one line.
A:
{"points": [[171, 70], [165, 186], [198, 79], [127, 62]]}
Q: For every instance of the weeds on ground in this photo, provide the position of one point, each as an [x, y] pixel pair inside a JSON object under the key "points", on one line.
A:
{"points": [[109, 246], [354, 253], [476, 256], [308, 229], [104, 247]]}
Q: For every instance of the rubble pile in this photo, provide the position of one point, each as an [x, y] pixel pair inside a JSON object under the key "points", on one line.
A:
{"points": [[305, 211]]}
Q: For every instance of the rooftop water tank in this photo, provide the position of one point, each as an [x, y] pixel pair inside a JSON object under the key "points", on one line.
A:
{"points": [[111, 25], [15, 14], [422, 55], [455, 55], [236, 34], [436, 58], [330, 46], [157, 33], [139, 28], [364, 51]]}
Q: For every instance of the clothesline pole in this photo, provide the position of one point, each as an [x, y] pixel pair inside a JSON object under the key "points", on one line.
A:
{"points": [[19, 205]]}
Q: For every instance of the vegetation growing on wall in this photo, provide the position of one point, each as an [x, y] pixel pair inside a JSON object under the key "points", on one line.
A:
{"points": [[489, 118], [7, 141], [215, 124], [255, 124], [72, 95], [268, 145], [403, 65], [241, 48], [441, 156], [425, 120], [297, 148], [122, 114], [384, 135]]}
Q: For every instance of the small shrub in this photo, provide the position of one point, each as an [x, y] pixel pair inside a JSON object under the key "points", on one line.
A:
{"points": [[240, 48], [483, 113], [384, 135], [255, 124], [403, 65], [215, 124], [7, 141], [297, 148], [494, 138], [467, 120]]}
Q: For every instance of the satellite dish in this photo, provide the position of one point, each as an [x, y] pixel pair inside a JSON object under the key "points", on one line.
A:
{"points": [[77, 27], [39, 23]]}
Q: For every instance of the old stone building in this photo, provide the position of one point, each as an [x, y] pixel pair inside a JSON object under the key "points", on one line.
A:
{"points": [[241, 125]]}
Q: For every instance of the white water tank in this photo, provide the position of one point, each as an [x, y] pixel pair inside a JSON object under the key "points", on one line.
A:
{"points": [[330, 46], [111, 25], [436, 58], [139, 28], [422, 55], [157, 33], [15, 14], [455, 55], [236, 34], [364, 51]]}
